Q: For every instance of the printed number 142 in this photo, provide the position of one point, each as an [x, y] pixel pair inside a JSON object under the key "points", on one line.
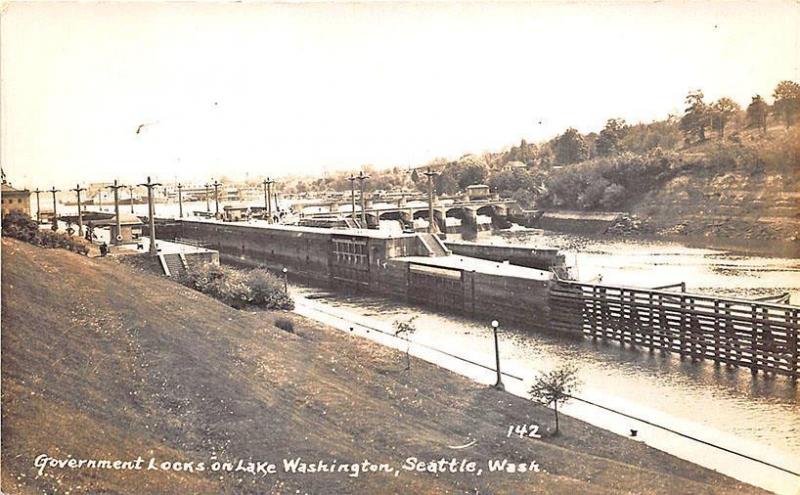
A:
{"points": [[530, 431]]}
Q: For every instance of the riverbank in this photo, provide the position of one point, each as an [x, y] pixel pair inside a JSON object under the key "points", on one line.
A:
{"points": [[102, 361]]}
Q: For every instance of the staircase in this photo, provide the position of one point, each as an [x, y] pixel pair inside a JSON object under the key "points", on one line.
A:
{"points": [[433, 245], [174, 265]]}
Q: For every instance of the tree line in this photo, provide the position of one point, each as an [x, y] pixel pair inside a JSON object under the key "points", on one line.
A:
{"points": [[593, 170]]}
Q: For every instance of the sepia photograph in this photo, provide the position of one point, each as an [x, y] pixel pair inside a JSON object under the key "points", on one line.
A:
{"points": [[400, 247]]}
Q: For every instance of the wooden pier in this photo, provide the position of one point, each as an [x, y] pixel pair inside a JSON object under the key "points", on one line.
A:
{"points": [[758, 335]]}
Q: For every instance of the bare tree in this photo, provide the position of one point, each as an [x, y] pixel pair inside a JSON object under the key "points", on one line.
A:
{"points": [[556, 387], [406, 328]]}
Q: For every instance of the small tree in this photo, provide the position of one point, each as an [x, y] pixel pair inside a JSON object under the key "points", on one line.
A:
{"points": [[787, 101], [607, 142], [556, 387], [722, 111], [570, 147], [696, 116], [757, 114], [406, 328]]}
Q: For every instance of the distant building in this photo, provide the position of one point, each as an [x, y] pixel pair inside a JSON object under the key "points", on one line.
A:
{"points": [[18, 200], [478, 191]]}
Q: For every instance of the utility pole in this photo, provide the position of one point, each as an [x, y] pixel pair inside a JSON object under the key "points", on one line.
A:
{"points": [[130, 199], [38, 210], [118, 238], [55, 212], [268, 197], [208, 205], [352, 180], [431, 222], [216, 197], [152, 213], [180, 201], [361, 178], [78, 190]]}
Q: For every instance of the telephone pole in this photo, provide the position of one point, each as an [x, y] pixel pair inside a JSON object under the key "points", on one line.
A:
{"points": [[352, 180], [216, 197], [130, 199], [431, 222], [55, 212], [208, 205], [180, 201], [361, 178], [118, 238], [38, 210], [268, 197], [78, 190], [152, 213]]}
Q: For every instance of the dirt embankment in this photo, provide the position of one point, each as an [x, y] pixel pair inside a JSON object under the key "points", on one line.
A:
{"points": [[102, 361]]}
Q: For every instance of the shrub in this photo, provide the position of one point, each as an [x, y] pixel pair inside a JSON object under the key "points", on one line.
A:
{"points": [[285, 324], [268, 290], [20, 226], [239, 288]]}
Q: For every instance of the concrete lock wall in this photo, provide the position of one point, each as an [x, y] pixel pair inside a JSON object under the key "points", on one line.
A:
{"points": [[539, 258], [309, 255]]}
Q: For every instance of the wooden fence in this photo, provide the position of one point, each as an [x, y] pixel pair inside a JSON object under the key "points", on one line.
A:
{"points": [[752, 334]]}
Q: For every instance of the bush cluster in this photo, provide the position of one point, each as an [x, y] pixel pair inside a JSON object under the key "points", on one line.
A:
{"points": [[20, 226], [285, 324], [610, 182], [239, 288]]}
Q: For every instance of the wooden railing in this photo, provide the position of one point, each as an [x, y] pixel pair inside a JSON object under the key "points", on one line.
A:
{"points": [[757, 335]]}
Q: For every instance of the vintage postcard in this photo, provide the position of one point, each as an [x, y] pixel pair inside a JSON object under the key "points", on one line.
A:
{"points": [[400, 247]]}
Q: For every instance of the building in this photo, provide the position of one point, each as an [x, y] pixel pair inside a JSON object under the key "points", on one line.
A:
{"points": [[130, 227], [478, 191], [18, 200]]}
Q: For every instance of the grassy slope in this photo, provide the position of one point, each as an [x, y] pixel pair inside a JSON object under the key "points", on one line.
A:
{"points": [[101, 360]]}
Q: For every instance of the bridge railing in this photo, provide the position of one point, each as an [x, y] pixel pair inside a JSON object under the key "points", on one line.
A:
{"points": [[753, 334]]}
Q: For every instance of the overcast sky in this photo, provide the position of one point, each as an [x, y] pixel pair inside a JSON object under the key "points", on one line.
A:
{"points": [[235, 89]]}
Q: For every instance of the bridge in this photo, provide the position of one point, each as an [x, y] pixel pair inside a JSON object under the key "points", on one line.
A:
{"points": [[408, 211]]}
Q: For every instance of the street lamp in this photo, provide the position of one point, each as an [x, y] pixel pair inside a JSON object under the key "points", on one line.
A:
{"points": [[285, 279], [499, 385]]}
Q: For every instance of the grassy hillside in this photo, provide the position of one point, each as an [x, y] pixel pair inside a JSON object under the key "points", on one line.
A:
{"points": [[101, 360]]}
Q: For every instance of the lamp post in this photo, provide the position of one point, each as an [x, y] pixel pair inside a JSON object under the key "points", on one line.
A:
{"points": [[118, 238], [352, 180], [216, 185], [55, 212], [152, 213], [268, 197], [285, 272], [499, 385], [78, 190], [361, 178], [208, 205], [180, 200], [130, 197], [431, 222], [38, 210]]}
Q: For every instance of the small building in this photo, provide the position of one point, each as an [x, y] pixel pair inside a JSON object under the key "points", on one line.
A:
{"points": [[15, 200], [478, 191], [130, 227], [235, 213]]}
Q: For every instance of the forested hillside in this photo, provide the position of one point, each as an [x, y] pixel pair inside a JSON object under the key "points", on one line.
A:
{"points": [[718, 169]]}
